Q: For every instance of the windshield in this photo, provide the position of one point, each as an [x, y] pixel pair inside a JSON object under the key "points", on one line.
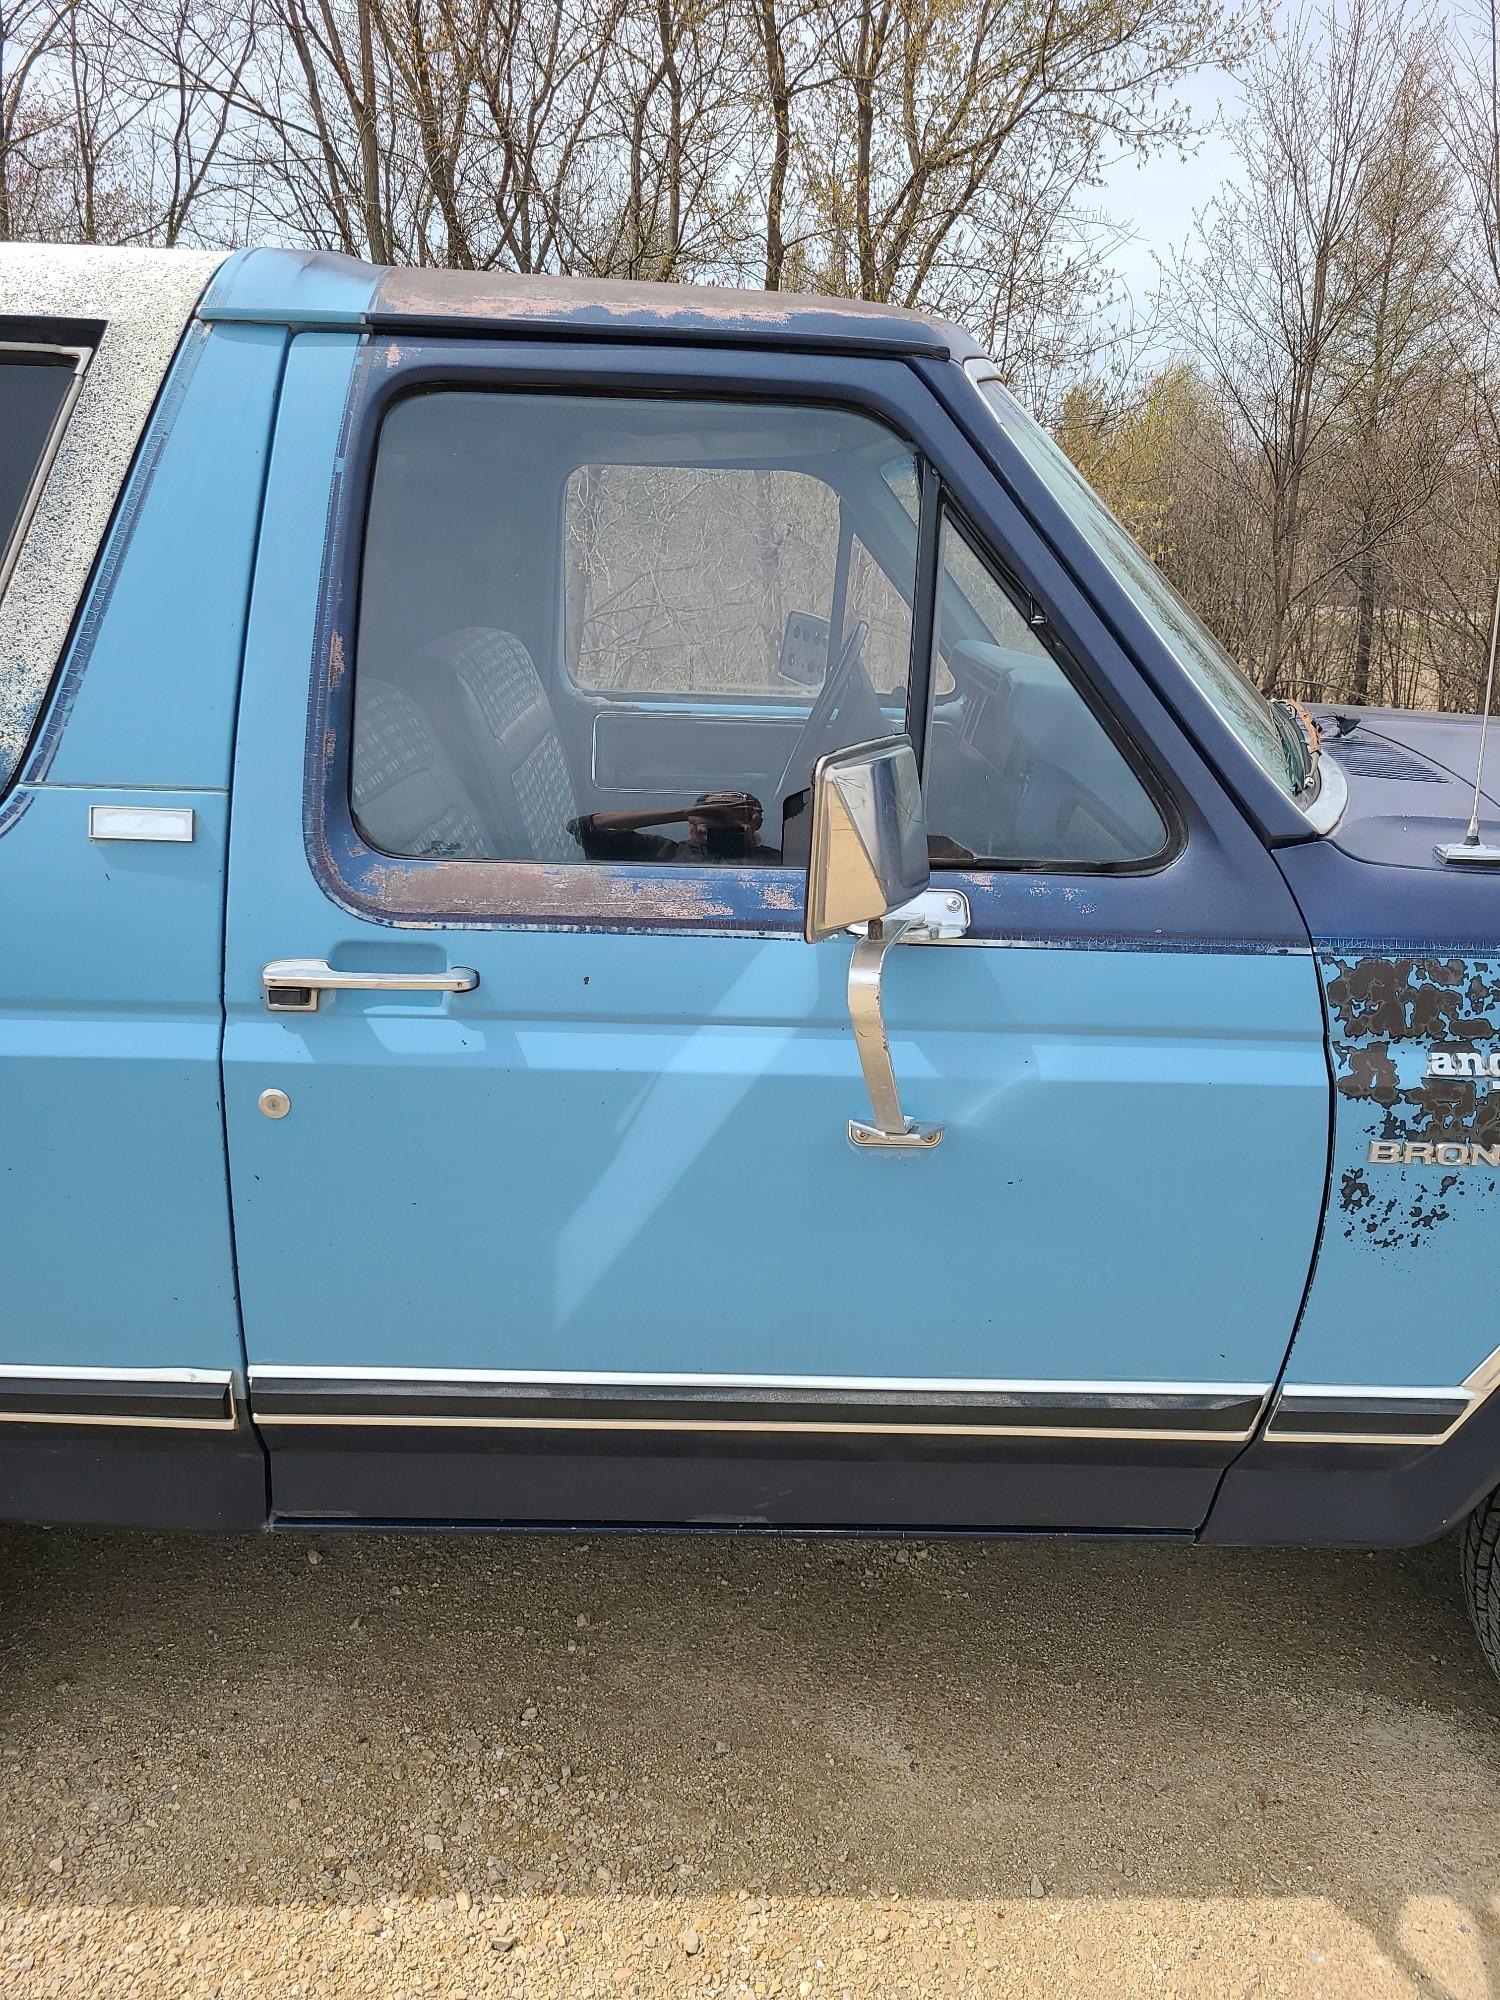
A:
{"points": [[1276, 745]]}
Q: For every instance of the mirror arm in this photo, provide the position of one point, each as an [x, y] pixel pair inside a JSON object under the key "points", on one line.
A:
{"points": [[890, 1126]]}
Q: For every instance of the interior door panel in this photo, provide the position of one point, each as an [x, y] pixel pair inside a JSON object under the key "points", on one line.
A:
{"points": [[663, 747]]}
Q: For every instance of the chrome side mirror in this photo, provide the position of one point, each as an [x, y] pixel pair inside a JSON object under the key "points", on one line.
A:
{"points": [[868, 858], [868, 849]]}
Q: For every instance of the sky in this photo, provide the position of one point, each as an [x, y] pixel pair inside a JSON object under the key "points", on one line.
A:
{"points": [[1156, 202]]}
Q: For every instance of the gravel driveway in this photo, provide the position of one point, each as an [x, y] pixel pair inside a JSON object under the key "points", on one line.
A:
{"points": [[370, 1766]]}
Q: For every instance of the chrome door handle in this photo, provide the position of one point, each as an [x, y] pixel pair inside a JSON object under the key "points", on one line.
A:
{"points": [[295, 985]]}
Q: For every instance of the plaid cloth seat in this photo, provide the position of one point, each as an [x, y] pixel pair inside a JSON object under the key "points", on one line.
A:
{"points": [[502, 730], [407, 797]]}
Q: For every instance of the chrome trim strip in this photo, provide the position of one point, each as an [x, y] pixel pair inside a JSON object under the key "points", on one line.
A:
{"points": [[78, 1420], [536, 1399], [36, 1371], [1326, 808], [1067, 1432], [35, 1393], [278, 1371], [1485, 1378]]}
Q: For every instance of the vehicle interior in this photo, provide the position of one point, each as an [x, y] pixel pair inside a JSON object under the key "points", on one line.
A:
{"points": [[626, 629]]}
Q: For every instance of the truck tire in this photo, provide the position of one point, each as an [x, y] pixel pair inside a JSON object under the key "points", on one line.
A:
{"points": [[1481, 1566]]}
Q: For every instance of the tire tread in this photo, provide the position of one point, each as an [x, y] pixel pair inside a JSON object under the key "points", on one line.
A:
{"points": [[1481, 1572]]}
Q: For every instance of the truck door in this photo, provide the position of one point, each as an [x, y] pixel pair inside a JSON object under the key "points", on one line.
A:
{"points": [[540, 1122]]}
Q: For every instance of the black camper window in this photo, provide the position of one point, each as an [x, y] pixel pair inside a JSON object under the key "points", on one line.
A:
{"points": [[36, 389]]}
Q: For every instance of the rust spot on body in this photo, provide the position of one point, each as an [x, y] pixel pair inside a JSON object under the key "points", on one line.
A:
{"points": [[1406, 999], [632, 304], [1376, 1006], [1371, 1073], [527, 892]]}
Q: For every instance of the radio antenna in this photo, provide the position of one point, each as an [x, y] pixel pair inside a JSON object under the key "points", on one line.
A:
{"points": [[1471, 847]]}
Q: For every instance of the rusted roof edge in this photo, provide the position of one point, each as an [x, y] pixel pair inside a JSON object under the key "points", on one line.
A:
{"points": [[641, 309], [339, 294], [843, 337]]}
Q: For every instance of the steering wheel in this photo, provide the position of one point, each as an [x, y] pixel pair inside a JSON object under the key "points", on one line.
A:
{"points": [[826, 704]]}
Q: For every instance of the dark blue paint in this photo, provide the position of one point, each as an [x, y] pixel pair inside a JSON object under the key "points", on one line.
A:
{"points": [[1450, 743], [1357, 1496], [1353, 906], [642, 1480], [1219, 894]]}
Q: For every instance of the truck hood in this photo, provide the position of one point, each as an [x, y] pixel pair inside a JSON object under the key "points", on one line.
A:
{"points": [[1411, 780]]}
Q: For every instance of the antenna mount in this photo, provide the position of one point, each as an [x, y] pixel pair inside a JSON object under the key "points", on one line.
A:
{"points": [[1471, 848]]}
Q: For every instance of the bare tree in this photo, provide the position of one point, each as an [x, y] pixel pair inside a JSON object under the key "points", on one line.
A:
{"points": [[30, 30], [793, 41], [1315, 458], [930, 98], [1275, 283], [1390, 366], [1474, 151]]}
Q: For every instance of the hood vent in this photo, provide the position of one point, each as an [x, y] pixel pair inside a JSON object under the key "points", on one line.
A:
{"points": [[1373, 757]]}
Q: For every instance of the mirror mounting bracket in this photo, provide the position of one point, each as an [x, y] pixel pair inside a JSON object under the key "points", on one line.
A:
{"points": [[937, 916], [927, 919]]}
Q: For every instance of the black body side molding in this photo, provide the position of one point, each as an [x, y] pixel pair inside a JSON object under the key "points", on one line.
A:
{"points": [[1357, 1496], [100, 1477]]}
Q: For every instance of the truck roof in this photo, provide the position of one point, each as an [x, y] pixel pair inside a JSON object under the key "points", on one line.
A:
{"points": [[317, 288]]}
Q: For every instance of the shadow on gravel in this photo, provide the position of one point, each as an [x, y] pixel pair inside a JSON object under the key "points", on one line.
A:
{"points": [[343, 1717]]}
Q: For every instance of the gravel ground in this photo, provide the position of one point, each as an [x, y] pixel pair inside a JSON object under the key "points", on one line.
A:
{"points": [[370, 1766]]}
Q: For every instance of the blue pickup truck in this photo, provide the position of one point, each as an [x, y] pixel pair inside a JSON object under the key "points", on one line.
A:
{"points": [[626, 906]]}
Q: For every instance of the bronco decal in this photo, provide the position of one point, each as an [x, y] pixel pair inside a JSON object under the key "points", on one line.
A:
{"points": [[1416, 1046]]}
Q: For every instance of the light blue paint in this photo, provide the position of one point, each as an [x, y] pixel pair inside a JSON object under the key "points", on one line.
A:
{"points": [[630, 1152], [496, 1186], [623, 1151], [289, 287], [1406, 1276], [157, 666], [111, 1148]]}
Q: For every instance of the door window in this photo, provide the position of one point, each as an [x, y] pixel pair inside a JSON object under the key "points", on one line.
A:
{"points": [[1020, 769], [612, 629]]}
